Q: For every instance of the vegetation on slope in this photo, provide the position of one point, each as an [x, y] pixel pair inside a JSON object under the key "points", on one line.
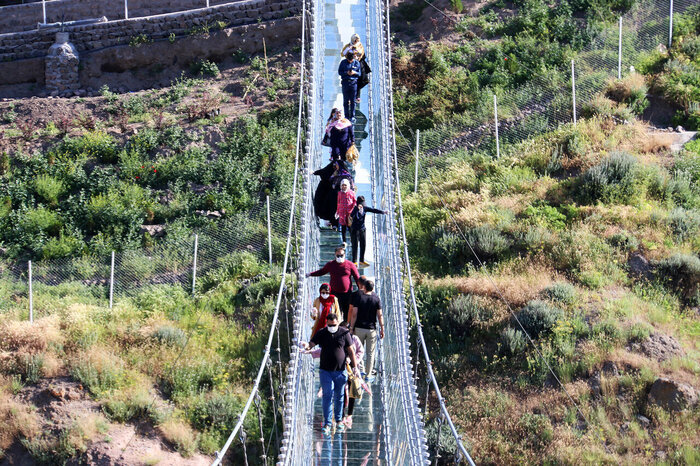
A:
{"points": [[590, 235]]}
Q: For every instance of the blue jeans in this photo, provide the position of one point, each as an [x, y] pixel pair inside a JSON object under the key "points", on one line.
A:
{"points": [[333, 386], [349, 95]]}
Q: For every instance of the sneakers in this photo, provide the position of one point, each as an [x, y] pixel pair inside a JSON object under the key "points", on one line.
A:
{"points": [[340, 428], [327, 430], [357, 101], [353, 120], [370, 378], [356, 264], [348, 422], [364, 264]]}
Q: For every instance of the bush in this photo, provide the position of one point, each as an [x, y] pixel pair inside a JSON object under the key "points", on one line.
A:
{"points": [[488, 242], [512, 341], [624, 240], [463, 312], [205, 68], [536, 429], [631, 90], [681, 273], [685, 224], [562, 292], [49, 188], [538, 317], [169, 335], [613, 180]]}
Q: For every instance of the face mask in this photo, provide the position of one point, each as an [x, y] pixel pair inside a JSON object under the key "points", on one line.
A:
{"points": [[332, 329], [340, 259], [325, 295]]}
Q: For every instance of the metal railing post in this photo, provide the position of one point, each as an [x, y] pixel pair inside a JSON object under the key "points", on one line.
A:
{"points": [[573, 90], [670, 25], [111, 282], [619, 52], [415, 185], [43, 9], [31, 294], [269, 231], [194, 263], [207, 3], [495, 116], [126, 9]]}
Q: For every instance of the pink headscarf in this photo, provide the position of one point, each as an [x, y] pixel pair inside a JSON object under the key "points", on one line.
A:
{"points": [[337, 121]]}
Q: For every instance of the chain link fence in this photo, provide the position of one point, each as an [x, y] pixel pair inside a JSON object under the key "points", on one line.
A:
{"points": [[188, 260]]}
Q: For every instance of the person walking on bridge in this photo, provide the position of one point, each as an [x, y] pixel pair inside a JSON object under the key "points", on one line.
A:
{"points": [[336, 343], [358, 231], [342, 272], [358, 49], [365, 312], [341, 134], [349, 71]]}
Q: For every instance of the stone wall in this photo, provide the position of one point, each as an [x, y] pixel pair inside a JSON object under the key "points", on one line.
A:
{"points": [[15, 18], [22, 54]]}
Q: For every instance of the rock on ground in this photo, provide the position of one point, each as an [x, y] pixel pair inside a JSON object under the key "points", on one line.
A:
{"points": [[672, 395]]}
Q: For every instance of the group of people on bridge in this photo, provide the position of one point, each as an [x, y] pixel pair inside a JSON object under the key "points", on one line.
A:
{"points": [[344, 334]]}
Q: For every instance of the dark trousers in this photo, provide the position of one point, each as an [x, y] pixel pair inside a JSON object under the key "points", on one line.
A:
{"points": [[344, 233], [344, 303], [358, 236], [349, 96]]}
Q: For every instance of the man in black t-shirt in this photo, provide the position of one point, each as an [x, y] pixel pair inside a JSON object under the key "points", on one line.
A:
{"points": [[336, 344], [365, 311]]}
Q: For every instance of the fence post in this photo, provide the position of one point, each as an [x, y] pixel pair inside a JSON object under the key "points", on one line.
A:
{"points": [[207, 3], [31, 294], [111, 282], [573, 90], [269, 231], [670, 26], [619, 52], [126, 9], [43, 9], [495, 116], [194, 263], [415, 184]]}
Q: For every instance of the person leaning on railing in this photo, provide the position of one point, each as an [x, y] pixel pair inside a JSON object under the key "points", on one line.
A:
{"points": [[342, 272]]}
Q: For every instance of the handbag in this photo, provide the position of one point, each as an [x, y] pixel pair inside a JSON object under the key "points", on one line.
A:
{"points": [[354, 384], [352, 154], [348, 222], [326, 141]]}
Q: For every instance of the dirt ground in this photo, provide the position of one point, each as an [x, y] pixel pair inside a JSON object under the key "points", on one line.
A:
{"points": [[239, 89]]}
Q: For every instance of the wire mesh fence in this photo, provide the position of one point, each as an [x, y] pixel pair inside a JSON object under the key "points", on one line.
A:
{"points": [[547, 100], [185, 259]]}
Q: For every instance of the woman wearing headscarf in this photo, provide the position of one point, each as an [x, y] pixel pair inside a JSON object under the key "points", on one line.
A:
{"points": [[325, 304], [346, 203], [342, 134], [326, 195]]}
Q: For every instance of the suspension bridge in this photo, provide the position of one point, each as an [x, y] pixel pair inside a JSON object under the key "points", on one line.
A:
{"points": [[388, 424]]}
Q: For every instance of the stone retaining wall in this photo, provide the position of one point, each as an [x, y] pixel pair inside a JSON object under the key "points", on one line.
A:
{"points": [[22, 55], [15, 18]]}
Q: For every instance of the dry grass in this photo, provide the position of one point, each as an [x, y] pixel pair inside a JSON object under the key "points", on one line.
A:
{"points": [[518, 287], [180, 434], [85, 428], [17, 420], [622, 89], [22, 336]]}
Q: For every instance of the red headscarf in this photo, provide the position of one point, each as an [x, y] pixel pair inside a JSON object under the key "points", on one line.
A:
{"points": [[326, 308]]}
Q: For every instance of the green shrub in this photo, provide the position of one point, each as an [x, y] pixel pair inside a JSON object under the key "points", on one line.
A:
{"points": [[487, 241], [49, 188], [512, 341], [205, 68], [624, 240], [169, 335], [463, 311], [681, 273], [42, 220], [189, 379], [546, 216], [63, 246], [31, 367], [538, 317], [685, 224], [217, 413], [613, 180], [561, 292], [125, 407], [631, 90], [97, 376], [536, 429], [95, 145]]}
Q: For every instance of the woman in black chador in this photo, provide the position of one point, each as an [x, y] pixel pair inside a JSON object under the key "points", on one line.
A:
{"points": [[326, 196]]}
